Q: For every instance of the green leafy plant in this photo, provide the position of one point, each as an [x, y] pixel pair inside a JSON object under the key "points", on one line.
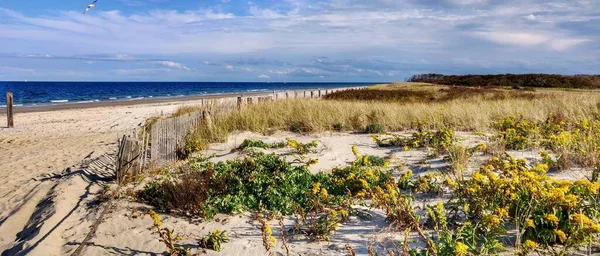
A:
{"points": [[302, 148], [214, 240]]}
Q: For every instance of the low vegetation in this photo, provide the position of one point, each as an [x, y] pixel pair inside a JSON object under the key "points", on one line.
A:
{"points": [[430, 93], [512, 80], [502, 202]]}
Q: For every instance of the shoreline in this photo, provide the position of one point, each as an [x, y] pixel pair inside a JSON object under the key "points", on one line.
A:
{"points": [[155, 100]]}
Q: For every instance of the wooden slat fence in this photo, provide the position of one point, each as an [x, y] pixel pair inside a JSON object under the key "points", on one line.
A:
{"points": [[169, 134]]}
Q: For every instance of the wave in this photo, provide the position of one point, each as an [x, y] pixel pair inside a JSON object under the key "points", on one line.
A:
{"points": [[87, 101], [128, 97], [112, 98], [59, 101]]}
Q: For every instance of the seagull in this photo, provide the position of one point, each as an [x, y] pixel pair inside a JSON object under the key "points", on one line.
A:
{"points": [[90, 6]]}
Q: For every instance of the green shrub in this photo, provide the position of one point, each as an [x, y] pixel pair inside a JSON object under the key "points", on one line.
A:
{"points": [[214, 240], [375, 128], [250, 143]]}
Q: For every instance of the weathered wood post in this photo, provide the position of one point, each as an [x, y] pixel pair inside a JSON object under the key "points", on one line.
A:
{"points": [[312, 94], [239, 103], [9, 110], [207, 119], [319, 93], [304, 94], [287, 96], [249, 100]]}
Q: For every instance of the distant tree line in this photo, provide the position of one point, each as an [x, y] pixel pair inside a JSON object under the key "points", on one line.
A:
{"points": [[512, 80]]}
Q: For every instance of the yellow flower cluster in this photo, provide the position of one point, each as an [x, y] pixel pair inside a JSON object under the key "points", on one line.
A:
{"points": [[585, 222], [529, 245], [552, 219], [504, 183], [461, 249], [155, 218], [562, 237]]}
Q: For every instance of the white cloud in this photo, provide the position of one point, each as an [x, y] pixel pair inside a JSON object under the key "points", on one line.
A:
{"points": [[531, 17], [552, 42], [565, 44], [15, 70], [264, 76], [172, 64], [511, 38]]}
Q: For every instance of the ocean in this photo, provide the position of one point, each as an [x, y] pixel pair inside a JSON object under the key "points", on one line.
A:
{"points": [[53, 93]]}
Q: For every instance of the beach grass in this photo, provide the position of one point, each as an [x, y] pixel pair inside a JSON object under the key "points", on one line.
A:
{"points": [[476, 112]]}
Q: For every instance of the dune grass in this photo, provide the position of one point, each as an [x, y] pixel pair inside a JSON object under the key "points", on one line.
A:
{"points": [[475, 113]]}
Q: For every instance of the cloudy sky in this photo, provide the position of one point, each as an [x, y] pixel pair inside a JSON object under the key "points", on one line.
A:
{"points": [[294, 40]]}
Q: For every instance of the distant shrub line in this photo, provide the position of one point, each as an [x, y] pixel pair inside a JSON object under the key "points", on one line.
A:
{"points": [[438, 95], [512, 80]]}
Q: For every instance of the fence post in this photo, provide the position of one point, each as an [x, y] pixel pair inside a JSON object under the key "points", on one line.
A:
{"points": [[304, 94], [207, 119], [249, 100], [9, 110], [287, 96], [239, 103], [312, 94], [319, 93]]}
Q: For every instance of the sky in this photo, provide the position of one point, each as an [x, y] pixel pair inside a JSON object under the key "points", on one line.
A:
{"points": [[294, 40]]}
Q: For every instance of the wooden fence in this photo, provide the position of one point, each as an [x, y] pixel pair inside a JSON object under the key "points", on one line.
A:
{"points": [[167, 136], [131, 155]]}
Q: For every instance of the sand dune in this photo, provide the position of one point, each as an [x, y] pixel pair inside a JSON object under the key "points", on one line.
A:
{"points": [[51, 165]]}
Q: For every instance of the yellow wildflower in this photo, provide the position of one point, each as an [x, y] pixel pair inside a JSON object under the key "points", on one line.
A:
{"points": [[316, 188], [461, 249], [406, 148], [355, 150], [560, 235], [324, 193], [344, 213], [364, 183], [529, 223], [451, 183], [529, 245], [156, 218], [552, 218], [502, 212], [491, 220]]}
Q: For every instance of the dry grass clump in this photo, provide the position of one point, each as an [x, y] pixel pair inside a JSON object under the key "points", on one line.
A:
{"points": [[183, 110]]}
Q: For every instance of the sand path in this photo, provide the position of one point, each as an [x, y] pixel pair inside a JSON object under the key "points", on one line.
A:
{"points": [[50, 164]]}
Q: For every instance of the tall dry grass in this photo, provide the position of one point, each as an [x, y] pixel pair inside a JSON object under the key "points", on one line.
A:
{"points": [[473, 114]]}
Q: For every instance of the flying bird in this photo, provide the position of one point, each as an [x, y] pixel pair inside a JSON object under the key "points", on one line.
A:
{"points": [[90, 6]]}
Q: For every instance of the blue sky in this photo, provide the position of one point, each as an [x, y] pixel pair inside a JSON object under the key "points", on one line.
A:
{"points": [[294, 40]]}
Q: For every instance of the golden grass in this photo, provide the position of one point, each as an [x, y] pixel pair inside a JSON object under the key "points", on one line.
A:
{"points": [[464, 115], [407, 85]]}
